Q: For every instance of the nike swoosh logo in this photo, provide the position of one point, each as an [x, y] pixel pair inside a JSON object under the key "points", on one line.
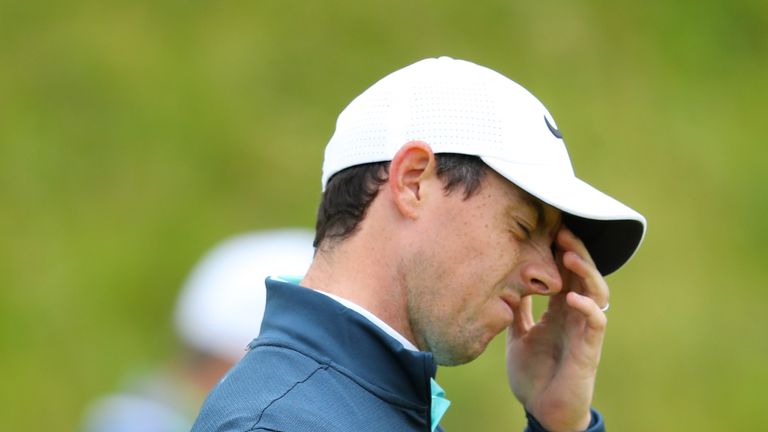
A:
{"points": [[552, 129]]}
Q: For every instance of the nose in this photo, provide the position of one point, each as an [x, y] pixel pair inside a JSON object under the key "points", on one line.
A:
{"points": [[541, 274]]}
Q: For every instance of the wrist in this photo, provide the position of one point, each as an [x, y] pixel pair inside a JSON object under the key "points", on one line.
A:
{"points": [[594, 424]]}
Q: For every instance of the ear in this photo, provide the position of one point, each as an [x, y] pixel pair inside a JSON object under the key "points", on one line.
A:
{"points": [[409, 171]]}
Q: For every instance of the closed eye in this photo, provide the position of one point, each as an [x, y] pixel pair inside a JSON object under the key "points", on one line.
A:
{"points": [[525, 229]]}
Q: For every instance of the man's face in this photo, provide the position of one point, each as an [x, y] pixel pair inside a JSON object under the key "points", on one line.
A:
{"points": [[473, 262]]}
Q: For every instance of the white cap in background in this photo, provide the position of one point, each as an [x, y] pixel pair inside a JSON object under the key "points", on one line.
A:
{"points": [[221, 305]]}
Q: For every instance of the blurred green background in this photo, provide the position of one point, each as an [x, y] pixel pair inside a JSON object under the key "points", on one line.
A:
{"points": [[136, 135]]}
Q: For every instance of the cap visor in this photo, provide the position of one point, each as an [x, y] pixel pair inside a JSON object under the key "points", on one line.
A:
{"points": [[610, 230]]}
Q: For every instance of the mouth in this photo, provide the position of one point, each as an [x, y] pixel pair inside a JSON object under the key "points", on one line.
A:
{"points": [[512, 303]]}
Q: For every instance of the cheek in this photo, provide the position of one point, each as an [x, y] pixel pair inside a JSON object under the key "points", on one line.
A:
{"points": [[478, 315], [473, 281]]}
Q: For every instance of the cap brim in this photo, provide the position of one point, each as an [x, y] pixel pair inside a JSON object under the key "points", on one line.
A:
{"points": [[611, 231]]}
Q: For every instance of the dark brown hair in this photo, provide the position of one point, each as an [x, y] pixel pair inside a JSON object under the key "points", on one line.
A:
{"points": [[350, 192]]}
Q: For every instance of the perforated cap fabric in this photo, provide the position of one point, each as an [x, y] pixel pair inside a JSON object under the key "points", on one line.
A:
{"points": [[456, 106]]}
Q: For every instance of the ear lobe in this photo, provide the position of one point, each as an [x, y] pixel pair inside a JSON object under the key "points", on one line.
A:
{"points": [[413, 164]]}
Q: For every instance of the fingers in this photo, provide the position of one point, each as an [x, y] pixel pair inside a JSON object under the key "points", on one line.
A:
{"points": [[523, 320], [577, 260], [595, 317], [567, 240]]}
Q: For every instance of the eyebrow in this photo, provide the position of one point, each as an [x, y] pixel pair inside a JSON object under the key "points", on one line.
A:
{"points": [[534, 204], [528, 203], [538, 208]]}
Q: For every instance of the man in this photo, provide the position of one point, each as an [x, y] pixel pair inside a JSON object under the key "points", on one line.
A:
{"points": [[449, 200]]}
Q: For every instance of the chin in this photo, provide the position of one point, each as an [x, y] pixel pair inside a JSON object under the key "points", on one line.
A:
{"points": [[455, 356]]}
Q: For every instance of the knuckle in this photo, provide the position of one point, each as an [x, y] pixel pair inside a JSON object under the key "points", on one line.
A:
{"points": [[601, 321]]}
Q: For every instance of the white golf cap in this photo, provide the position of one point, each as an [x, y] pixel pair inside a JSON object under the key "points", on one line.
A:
{"points": [[221, 305], [456, 106]]}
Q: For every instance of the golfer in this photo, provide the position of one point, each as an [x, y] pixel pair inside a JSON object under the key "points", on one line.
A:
{"points": [[449, 200]]}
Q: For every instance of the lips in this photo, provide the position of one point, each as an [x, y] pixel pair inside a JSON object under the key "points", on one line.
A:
{"points": [[512, 303]]}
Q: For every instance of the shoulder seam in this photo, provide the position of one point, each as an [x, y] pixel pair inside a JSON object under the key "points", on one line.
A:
{"points": [[261, 414], [325, 364]]}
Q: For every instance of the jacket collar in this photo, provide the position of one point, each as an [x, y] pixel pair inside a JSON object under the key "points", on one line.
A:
{"points": [[320, 327]]}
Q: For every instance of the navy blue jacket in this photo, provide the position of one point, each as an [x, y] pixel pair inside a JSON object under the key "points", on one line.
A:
{"points": [[319, 366]]}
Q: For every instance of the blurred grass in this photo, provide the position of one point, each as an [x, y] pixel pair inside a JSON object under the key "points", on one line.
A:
{"points": [[135, 135]]}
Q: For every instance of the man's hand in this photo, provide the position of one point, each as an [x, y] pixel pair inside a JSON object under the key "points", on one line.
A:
{"points": [[552, 364]]}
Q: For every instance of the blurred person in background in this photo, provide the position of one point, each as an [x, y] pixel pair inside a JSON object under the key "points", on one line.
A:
{"points": [[449, 200], [218, 312]]}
